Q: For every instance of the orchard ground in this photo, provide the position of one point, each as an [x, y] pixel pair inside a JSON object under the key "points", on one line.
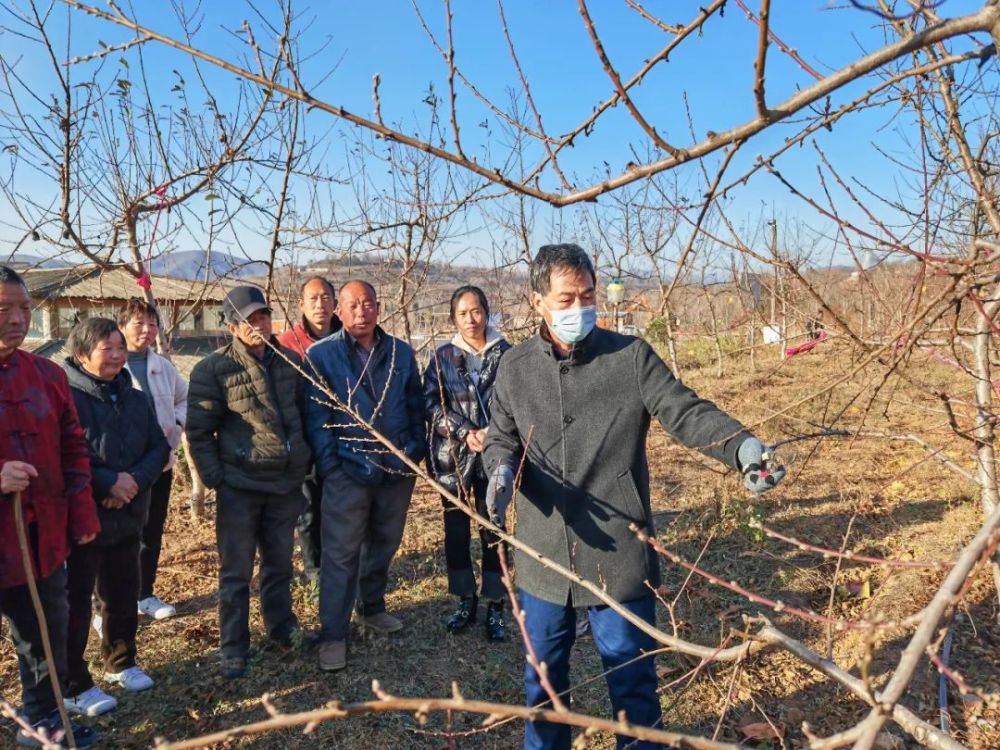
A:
{"points": [[883, 498]]}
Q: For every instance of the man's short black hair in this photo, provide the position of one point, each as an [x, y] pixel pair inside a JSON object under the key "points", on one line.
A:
{"points": [[9, 276], [311, 279], [565, 257], [87, 334]]}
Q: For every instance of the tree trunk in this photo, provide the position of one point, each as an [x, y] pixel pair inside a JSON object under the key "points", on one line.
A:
{"points": [[671, 341], [986, 466]]}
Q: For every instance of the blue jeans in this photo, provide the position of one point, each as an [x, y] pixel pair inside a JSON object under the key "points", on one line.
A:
{"points": [[552, 631]]}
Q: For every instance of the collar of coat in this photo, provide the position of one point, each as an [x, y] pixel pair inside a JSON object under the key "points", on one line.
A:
{"points": [[352, 343], [493, 337], [580, 353], [247, 357], [100, 389], [153, 361], [308, 336]]}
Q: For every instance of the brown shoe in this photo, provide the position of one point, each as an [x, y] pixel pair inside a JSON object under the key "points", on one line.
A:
{"points": [[332, 655], [382, 622]]}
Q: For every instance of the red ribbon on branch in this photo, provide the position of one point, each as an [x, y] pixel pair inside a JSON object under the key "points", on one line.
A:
{"points": [[808, 345], [145, 280]]}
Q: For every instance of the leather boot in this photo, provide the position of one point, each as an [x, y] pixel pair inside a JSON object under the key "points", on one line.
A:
{"points": [[496, 627], [464, 614]]}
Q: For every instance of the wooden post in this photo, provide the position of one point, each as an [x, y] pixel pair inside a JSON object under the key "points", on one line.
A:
{"points": [[43, 625]]}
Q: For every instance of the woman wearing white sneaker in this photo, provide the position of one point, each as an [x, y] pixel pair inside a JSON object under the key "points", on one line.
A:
{"points": [[167, 391], [127, 454]]}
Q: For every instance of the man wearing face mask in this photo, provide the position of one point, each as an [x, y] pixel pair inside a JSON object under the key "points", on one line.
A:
{"points": [[585, 396]]}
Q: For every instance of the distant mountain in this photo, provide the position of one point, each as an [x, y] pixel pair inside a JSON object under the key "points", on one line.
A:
{"points": [[22, 260], [192, 264]]}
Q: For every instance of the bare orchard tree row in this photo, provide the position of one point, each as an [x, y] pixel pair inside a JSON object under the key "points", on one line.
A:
{"points": [[924, 294]]}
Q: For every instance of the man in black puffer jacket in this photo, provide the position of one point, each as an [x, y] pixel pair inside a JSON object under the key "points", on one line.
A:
{"points": [[244, 426], [127, 454]]}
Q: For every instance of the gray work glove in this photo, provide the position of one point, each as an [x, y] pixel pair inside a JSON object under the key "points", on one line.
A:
{"points": [[759, 471], [499, 492]]}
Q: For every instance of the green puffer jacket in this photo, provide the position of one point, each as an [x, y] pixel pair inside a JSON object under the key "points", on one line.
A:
{"points": [[244, 421]]}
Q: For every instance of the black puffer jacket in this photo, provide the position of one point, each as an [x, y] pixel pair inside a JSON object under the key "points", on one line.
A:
{"points": [[123, 435], [244, 420], [456, 404]]}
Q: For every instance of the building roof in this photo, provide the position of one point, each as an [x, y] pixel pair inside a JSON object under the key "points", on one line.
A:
{"points": [[91, 282]]}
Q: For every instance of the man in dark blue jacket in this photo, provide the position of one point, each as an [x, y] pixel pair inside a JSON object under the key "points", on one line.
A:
{"points": [[375, 385]]}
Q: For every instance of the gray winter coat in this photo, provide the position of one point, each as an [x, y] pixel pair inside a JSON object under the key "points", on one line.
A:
{"points": [[585, 477]]}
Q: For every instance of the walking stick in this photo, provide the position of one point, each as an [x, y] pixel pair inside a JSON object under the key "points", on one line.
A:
{"points": [[43, 626]]}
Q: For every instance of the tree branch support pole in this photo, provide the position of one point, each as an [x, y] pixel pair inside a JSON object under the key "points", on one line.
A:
{"points": [[43, 625]]}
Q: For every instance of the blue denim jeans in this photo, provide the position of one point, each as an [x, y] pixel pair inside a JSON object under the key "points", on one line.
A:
{"points": [[552, 631]]}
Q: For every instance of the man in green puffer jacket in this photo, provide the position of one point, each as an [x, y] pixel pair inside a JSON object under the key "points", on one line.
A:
{"points": [[245, 430]]}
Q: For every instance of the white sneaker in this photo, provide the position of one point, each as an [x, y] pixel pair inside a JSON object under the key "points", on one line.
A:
{"points": [[98, 625], [91, 702], [151, 606], [133, 679]]}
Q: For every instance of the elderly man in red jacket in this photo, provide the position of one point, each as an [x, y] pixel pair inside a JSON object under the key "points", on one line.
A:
{"points": [[44, 457], [317, 303]]}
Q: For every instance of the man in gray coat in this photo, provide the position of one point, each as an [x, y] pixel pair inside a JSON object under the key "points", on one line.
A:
{"points": [[586, 396]]}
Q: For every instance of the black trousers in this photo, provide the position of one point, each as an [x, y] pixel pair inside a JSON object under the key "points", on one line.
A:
{"points": [[152, 533], [458, 556], [37, 698], [309, 527], [114, 568], [246, 521]]}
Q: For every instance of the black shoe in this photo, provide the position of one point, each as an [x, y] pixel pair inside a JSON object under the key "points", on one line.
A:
{"points": [[465, 614], [496, 628], [52, 727], [234, 667]]}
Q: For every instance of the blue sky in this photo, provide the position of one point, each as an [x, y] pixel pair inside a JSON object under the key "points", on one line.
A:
{"points": [[352, 41]]}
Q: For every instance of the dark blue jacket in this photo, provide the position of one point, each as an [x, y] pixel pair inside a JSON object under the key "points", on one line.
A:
{"points": [[389, 397]]}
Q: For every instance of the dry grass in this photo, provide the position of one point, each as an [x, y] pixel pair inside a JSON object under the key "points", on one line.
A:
{"points": [[901, 506]]}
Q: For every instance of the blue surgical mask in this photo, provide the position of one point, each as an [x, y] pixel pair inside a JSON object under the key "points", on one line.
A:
{"points": [[572, 326]]}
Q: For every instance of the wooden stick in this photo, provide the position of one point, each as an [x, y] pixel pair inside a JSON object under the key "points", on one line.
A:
{"points": [[43, 625], [386, 703]]}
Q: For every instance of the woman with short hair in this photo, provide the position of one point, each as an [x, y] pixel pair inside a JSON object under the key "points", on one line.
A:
{"points": [[127, 454], [167, 391], [458, 386]]}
